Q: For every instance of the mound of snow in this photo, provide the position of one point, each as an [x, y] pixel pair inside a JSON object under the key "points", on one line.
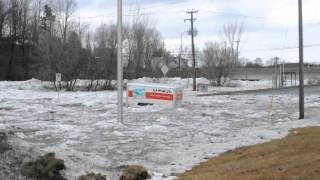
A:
{"points": [[32, 84]]}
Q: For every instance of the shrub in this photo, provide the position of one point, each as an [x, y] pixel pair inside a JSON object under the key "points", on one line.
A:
{"points": [[46, 167], [92, 176], [134, 173], [313, 81], [4, 145]]}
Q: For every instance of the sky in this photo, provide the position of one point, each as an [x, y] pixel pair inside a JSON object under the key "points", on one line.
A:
{"points": [[269, 25]]}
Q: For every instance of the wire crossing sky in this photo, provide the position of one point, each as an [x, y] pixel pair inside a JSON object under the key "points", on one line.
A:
{"points": [[270, 26]]}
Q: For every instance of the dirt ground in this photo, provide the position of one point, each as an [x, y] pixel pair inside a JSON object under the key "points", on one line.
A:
{"points": [[295, 157]]}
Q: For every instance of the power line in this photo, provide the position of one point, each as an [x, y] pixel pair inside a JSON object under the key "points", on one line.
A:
{"points": [[184, 5], [173, 7], [112, 15], [283, 48], [127, 15], [238, 15]]}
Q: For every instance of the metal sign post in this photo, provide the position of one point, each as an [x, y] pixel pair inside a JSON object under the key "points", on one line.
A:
{"points": [[58, 82], [119, 65], [165, 70], [58, 77]]}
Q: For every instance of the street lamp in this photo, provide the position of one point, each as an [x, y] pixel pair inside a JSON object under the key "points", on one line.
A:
{"points": [[119, 64], [301, 62]]}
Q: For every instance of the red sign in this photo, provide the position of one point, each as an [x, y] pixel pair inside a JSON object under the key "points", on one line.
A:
{"points": [[159, 96], [130, 94]]}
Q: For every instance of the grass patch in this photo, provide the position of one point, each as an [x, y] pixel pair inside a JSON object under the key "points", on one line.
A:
{"points": [[294, 157]]}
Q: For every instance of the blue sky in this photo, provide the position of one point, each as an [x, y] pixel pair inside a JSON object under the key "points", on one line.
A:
{"points": [[268, 23]]}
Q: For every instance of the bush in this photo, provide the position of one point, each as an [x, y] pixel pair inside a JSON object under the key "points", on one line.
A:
{"points": [[4, 145], [92, 176], [313, 81], [134, 173], [230, 83], [46, 167]]}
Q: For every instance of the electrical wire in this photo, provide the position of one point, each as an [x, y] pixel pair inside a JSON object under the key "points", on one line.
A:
{"points": [[284, 48], [178, 11]]}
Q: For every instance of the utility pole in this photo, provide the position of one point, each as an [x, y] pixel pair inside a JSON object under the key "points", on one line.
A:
{"points": [[192, 19], [119, 64], [301, 71]]}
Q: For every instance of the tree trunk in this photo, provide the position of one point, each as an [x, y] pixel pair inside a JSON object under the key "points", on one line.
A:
{"points": [[10, 65], [25, 62]]}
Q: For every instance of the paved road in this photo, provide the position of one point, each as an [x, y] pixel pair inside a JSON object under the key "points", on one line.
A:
{"points": [[314, 89]]}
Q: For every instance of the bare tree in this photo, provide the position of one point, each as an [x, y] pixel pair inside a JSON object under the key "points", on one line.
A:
{"points": [[4, 11], [35, 21], [60, 43], [17, 19], [217, 59], [258, 62], [13, 24], [105, 51], [144, 43], [41, 37], [154, 47], [232, 35], [65, 10]]}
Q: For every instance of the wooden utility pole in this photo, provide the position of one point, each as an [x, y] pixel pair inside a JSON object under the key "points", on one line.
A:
{"points": [[301, 71], [192, 19]]}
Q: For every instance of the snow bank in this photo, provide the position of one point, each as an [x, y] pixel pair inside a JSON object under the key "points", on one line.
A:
{"points": [[32, 84], [82, 85]]}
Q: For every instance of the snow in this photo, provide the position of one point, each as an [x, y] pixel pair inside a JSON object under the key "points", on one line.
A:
{"points": [[82, 127]]}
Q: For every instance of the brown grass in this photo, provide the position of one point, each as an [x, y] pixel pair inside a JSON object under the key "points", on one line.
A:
{"points": [[296, 157]]}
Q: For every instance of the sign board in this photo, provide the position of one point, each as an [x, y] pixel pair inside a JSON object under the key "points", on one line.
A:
{"points": [[154, 94], [202, 87], [58, 77], [165, 69]]}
